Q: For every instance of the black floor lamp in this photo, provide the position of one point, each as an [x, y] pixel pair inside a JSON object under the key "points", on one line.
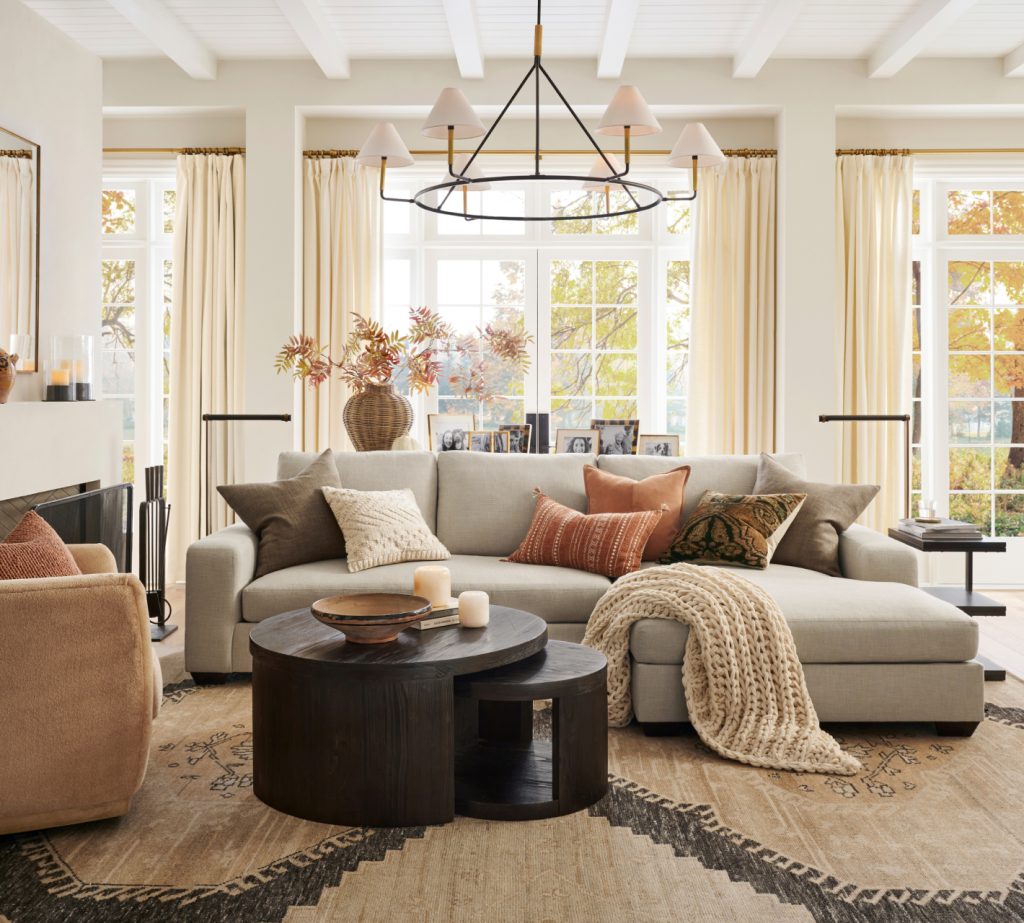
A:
{"points": [[903, 418]]}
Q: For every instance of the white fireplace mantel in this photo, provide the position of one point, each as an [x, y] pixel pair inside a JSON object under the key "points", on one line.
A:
{"points": [[44, 445]]}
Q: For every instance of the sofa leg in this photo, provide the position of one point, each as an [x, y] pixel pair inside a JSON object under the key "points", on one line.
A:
{"points": [[663, 728], [956, 728], [210, 679]]}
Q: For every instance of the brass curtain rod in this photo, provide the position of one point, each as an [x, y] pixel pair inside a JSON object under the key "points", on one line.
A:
{"points": [[731, 152], [18, 152], [924, 151], [174, 150]]}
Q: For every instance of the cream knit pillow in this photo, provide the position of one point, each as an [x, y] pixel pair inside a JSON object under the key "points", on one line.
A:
{"points": [[382, 527]]}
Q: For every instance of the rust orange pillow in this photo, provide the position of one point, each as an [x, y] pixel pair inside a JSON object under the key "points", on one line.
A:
{"points": [[610, 493], [33, 549], [605, 543]]}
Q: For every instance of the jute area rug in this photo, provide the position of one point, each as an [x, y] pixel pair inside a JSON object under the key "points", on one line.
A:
{"points": [[931, 830]]}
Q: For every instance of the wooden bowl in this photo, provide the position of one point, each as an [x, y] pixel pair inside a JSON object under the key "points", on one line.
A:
{"points": [[370, 618]]}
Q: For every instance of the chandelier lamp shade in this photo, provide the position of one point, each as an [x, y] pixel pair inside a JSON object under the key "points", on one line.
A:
{"points": [[453, 118]]}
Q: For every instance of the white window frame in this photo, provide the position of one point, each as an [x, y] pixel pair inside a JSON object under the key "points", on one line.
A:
{"points": [[149, 247], [935, 247], [653, 247]]}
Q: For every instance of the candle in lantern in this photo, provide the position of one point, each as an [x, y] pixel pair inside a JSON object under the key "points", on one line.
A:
{"points": [[61, 377], [474, 609], [434, 583]]}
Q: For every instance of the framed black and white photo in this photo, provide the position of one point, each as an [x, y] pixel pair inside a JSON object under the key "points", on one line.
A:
{"points": [[666, 446], [518, 437], [576, 441], [617, 437], [481, 440], [449, 432], [500, 442]]}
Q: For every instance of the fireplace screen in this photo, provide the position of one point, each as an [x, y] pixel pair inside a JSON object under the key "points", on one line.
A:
{"points": [[101, 516]]}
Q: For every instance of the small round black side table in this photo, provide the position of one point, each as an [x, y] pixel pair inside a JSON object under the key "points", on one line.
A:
{"points": [[501, 772]]}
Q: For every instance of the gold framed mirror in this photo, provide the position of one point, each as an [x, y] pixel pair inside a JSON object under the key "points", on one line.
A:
{"points": [[19, 249]]}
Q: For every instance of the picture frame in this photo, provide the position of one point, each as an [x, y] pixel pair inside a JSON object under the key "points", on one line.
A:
{"points": [[577, 441], [665, 445], [500, 441], [618, 437], [481, 440], [519, 437], [449, 432]]}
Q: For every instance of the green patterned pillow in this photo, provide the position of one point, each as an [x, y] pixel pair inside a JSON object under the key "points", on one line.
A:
{"points": [[734, 529]]}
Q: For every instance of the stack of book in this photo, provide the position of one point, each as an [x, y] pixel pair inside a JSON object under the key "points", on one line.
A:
{"points": [[952, 530]]}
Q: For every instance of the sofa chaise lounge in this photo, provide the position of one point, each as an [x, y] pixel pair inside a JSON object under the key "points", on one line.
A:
{"points": [[874, 647]]}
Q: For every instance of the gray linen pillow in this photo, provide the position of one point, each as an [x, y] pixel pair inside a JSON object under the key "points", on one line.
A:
{"points": [[812, 541], [292, 520]]}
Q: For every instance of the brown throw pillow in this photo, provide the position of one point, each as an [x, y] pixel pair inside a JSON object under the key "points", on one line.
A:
{"points": [[605, 543], [812, 541], [735, 529], [611, 493], [291, 518], [33, 549]]}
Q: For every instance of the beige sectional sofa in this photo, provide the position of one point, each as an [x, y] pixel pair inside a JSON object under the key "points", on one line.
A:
{"points": [[874, 647]]}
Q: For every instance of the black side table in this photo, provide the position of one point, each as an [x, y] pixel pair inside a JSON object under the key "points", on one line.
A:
{"points": [[966, 599]]}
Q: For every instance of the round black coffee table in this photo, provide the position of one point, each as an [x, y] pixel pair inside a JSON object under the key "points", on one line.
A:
{"points": [[364, 734]]}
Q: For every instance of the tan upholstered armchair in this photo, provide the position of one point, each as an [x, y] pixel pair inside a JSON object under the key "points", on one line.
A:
{"points": [[79, 689]]}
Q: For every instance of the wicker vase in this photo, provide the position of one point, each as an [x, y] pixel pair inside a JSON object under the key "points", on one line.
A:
{"points": [[376, 417]]}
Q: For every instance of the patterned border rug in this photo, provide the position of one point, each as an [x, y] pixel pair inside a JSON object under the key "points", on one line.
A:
{"points": [[931, 830]]}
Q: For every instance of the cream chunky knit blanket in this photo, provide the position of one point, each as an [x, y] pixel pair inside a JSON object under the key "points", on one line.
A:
{"points": [[744, 685]]}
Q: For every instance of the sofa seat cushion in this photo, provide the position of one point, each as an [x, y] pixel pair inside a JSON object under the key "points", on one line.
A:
{"points": [[835, 620], [554, 593]]}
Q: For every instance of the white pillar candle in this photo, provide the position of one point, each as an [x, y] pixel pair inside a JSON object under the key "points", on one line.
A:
{"points": [[474, 609], [433, 583]]}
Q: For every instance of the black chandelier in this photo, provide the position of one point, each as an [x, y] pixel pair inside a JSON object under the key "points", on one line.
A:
{"points": [[627, 116]]}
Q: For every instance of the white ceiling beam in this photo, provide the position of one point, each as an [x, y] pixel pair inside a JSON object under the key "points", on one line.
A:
{"points": [[1013, 63], [309, 22], [465, 35], [617, 32], [167, 32], [764, 36], [926, 22]]}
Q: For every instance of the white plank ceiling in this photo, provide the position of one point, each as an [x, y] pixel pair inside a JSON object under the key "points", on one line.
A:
{"points": [[256, 29]]}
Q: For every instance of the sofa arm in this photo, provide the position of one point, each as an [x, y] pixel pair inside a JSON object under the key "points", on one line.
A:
{"points": [[868, 555], [217, 569], [76, 693], [94, 559]]}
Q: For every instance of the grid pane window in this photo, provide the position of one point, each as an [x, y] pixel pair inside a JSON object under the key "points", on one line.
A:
{"points": [[677, 341], [985, 336], [118, 345], [117, 211], [583, 203], [594, 332], [473, 293]]}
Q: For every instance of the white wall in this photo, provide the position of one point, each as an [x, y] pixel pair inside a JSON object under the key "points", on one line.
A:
{"points": [[52, 94], [289, 105]]}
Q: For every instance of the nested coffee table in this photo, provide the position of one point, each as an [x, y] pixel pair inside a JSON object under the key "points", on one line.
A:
{"points": [[364, 734]]}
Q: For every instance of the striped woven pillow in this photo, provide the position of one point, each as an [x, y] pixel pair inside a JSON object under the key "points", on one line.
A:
{"points": [[611, 544]]}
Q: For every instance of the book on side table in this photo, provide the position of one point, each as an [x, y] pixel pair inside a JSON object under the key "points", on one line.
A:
{"points": [[940, 529]]}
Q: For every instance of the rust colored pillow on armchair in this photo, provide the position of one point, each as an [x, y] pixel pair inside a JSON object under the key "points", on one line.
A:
{"points": [[611, 493], [604, 543], [33, 549]]}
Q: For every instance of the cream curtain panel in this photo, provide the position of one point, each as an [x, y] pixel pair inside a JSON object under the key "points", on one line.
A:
{"points": [[732, 339], [873, 206], [207, 346], [17, 245], [342, 256]]}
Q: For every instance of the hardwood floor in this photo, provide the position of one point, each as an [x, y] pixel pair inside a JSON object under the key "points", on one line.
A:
{"points": [[1002, 637]]}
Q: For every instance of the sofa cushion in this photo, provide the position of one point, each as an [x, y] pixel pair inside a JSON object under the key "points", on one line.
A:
{"points": [[601, 543], [485, 502], [726, 474], [379, 471], [611, 493], [553, 593], [835, 620], [290, 516]]}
